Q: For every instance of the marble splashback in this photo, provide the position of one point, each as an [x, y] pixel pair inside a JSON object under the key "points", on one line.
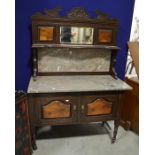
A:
{"points": [[73, 60]]}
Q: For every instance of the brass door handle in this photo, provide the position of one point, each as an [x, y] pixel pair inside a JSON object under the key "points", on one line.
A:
{"points": [[82, 108], [74, 107]]}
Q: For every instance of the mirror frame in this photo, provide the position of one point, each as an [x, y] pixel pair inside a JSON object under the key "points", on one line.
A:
{"points": [[77, 43]]}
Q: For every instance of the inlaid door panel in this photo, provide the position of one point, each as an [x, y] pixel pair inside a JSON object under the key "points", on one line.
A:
{"points": [[97, 107], [55, 109]]}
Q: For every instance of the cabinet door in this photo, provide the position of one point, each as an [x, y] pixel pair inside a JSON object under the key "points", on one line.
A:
{"points": [[55, 109], [97, 107]]}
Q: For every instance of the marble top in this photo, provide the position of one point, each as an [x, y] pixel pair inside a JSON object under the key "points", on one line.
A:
{"points": [[76, 83]]}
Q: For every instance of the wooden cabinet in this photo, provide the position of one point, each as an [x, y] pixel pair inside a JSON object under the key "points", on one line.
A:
{"points": [[73, 108], [59, 109], [74, 79]]}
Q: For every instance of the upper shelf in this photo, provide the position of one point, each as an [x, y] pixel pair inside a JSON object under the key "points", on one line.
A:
{"points": [[75, 46]]}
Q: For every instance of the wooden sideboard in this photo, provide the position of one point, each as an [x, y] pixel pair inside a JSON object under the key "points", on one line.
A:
{"points": [[74, 79], [63, 100]]}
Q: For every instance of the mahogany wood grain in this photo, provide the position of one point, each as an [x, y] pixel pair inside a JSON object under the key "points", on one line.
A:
{"points": [[130, 108], [46, 33], [99, 107], [105, 36], [56, 109]]}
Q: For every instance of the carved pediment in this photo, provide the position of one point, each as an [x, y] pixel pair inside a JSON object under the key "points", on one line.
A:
{"points": [[54, 13], [78, 13], [102, 16]]}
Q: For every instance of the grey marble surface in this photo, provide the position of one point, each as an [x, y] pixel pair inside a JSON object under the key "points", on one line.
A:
{"points": [[73, 60], [76, 83]]}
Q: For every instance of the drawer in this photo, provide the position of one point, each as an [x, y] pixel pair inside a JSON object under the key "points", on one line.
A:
{"points": [[55, 109], [97, 107]]}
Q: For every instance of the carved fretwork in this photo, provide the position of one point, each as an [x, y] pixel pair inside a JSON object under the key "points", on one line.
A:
{"points": [[54, 13], [101, 15], [78, 13], [104, 17], [37, 15]]}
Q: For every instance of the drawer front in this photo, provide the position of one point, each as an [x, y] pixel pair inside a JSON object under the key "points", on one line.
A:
{"points": [[52, 109], [97, 107]]}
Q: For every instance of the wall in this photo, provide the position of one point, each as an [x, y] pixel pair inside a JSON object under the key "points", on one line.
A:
{"points": [[120, 9]]}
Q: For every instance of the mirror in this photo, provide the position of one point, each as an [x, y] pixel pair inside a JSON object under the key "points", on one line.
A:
{"points": [[105, 36], [76, 35], [46, 33]]}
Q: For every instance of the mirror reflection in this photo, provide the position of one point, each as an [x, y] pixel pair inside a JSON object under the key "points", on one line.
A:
{"points": [[76, 35]]}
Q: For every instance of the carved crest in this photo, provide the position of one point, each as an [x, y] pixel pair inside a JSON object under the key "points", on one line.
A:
{"points": [[101, 15], [48, 13], [104, 17], [78, 13], [54, 12]]}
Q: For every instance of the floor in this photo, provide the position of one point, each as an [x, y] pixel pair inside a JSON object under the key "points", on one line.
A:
{"points": [[90, 139]]}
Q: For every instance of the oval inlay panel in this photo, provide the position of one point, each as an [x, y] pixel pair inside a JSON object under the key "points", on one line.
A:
{"points": [[99, 107], [56, 109]]}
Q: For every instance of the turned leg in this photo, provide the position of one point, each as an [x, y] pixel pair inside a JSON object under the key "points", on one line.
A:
{"points": [[34, 146], [116, 125]]}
